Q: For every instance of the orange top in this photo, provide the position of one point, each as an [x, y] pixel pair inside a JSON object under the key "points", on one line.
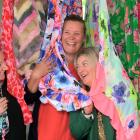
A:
{"points": [[52, 124]]}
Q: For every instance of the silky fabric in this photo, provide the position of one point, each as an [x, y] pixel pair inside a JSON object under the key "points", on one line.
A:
{"points": [[53, 124]]}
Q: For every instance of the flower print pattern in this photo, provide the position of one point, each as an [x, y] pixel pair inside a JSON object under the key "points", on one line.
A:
{"points": [[119, 92], [119, 89], [124, 24], [61, 81], [130, 125], [60, 88], [124, 73]]}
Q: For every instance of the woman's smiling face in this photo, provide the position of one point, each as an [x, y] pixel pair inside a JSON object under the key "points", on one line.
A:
{"points": [[86, 69], [72, 37], [3, 66]]}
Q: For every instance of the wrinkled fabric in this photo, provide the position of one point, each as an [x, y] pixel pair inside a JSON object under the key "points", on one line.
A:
{"points": [[28, 31], [112, 92], [60, 88], [14, 84], [139, 13], [124, 24]]}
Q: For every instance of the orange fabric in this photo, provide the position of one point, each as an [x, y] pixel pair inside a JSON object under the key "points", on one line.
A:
{"points": [[52, 124]]}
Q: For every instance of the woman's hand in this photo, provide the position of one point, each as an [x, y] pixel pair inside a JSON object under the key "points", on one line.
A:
{"points": [[3, 105], [44, 67], [40, 70], [88, 109]]}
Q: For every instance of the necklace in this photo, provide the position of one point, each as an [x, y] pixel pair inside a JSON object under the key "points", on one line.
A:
{"points": [[101, 127]]}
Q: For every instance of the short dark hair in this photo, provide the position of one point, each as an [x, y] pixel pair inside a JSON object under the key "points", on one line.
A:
{"points": [[75, 18]]}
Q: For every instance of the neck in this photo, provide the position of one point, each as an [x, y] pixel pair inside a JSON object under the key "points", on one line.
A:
{"points": [[70, 59]]}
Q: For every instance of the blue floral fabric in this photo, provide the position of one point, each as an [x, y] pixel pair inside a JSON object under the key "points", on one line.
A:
{"points": [[60, 88]]}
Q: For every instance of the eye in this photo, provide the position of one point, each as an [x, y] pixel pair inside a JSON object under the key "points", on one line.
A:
{"points": [[66, 32], [85, 64], [77, 34]]}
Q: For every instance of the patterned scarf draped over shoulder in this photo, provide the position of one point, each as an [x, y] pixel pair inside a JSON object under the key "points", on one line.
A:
{"points": [[60, 88], [112, 93]]}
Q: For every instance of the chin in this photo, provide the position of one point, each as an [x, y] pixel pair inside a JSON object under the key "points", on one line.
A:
{"points": [[86, 84]]}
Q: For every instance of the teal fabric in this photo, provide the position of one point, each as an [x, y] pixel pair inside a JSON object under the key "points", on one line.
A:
{"points": [[86, 129]]}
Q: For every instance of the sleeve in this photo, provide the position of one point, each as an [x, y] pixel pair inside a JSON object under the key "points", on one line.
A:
{"points": [[79, 125], [30, 97]]}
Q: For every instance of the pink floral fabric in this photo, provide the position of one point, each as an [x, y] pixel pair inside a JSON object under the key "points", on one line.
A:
{"points": [[60, 88], [113, 93]]}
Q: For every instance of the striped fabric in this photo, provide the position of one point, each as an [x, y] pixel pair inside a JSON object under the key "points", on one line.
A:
{"points": [[28, 16]]}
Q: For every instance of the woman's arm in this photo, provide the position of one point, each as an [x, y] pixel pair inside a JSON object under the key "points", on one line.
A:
{"points": [[29, 97], [40, 70]]}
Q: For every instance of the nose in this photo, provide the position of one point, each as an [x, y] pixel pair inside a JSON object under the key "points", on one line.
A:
{"points": [[80, 70], [72, 36]]}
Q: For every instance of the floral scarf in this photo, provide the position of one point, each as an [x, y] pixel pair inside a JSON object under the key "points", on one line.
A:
{"points": [[112, 93], [60, 88]]}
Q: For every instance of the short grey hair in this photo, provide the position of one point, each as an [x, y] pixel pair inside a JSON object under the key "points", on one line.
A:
{"points": [[91, 52]]}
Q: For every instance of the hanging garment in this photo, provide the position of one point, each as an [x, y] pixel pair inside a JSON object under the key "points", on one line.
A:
{"points": [[14, 85], [60, 88], [112, 93], [139, 14], [28, 31], [124, 25]]}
